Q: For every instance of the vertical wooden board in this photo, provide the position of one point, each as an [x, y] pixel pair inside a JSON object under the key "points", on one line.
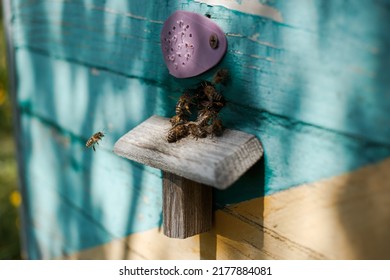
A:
{"points": [[187, 207]]}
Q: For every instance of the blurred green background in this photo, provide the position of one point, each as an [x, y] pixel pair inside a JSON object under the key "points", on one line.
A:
{"points": [[10, 199]]}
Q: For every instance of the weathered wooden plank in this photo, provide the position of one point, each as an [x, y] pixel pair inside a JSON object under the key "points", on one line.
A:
{"points": [[280, 68], [284, 140], [216, 162], [143, 100], [49, 100], [187, 207], [257, 85]]}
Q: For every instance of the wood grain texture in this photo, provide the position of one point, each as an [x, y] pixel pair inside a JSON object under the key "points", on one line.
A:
{"points": [[187, 207], [217, 161], [285, 88], [344, 217], [281, 68], [308, 78]]}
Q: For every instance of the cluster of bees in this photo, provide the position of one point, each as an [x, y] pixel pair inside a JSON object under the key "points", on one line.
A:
{"points": [[206, 101]]}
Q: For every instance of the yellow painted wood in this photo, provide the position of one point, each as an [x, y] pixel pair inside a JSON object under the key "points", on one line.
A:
{"points": [[151, 244], [345, 217]]}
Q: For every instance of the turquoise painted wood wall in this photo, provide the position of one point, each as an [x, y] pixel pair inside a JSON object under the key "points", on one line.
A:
{"points": [[309, 78]]}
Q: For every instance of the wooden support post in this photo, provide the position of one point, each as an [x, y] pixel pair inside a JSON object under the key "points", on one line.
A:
{"points": [[187, 206], [190, 167]]}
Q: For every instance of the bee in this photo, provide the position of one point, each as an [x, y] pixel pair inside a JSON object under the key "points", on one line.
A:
{"points": [[94, 139], [211, 105], [184, 104], [197, 131], [216, 127], [211, 93], [178, 119], [176, 133], [208, 102], [221, 77], [205, 117], [199, 93]]}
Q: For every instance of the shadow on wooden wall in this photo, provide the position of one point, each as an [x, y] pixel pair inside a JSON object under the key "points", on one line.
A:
{"points": [[363, 210], [291, 83], [67, 203], [363, 199], [234, 227]]}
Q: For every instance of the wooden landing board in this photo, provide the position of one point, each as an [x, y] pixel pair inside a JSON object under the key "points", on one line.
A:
{"points": [[217, 161]]}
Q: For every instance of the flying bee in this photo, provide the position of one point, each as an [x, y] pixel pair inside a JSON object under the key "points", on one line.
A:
{"points": [[94, 139], [176, 133], [221, 77], [183, 104], [197, 131], [217, 127]]}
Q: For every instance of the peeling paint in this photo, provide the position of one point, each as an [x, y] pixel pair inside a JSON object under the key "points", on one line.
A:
{"points": [[235, 35], [248, 7], [253, 55], [253, 38]]}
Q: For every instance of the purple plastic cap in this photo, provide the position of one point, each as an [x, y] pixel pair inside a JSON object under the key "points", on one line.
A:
{"points": [[191, 44]]}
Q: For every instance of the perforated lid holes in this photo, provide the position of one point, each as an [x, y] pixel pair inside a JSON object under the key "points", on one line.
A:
{"points": [[191, 44]]}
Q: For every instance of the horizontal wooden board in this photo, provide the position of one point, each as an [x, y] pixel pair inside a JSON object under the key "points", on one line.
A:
{"points": [[319, 65], [344, 217], [213, 161], [119, 104], [45, 105]]}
